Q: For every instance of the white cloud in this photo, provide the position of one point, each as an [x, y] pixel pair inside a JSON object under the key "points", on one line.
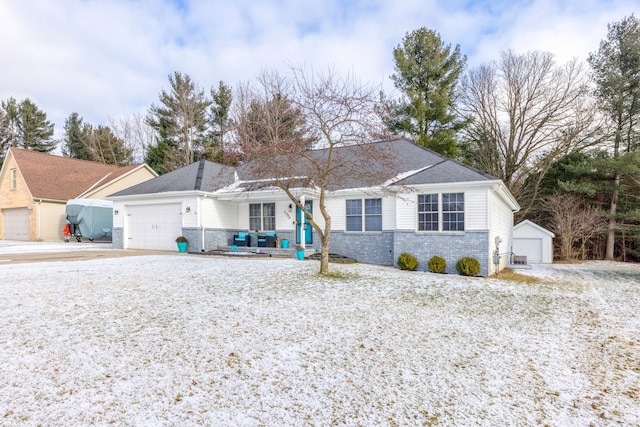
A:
{"points": [[105, 58]]}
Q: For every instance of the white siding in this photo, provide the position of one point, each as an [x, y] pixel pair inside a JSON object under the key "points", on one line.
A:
{"points": [[475, 206], [338, 210], [243, 216], [475, 209], [218, 214], [337, 207], [501, 226], [190, 219], [317, 215], [285, 217], [388, 213], [407, 211], [118, 214]]}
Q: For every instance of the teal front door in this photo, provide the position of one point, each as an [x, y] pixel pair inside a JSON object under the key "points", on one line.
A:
{"points": [[303, 227]]}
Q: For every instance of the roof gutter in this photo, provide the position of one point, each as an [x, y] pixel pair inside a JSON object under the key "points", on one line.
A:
{"points": [[160, 195]]}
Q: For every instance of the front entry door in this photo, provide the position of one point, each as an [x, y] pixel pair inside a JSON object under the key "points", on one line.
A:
{"points": [[303, 226]]}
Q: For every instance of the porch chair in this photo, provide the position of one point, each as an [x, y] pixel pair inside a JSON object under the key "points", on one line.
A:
{"points": [[267, 241], [242, 239]]}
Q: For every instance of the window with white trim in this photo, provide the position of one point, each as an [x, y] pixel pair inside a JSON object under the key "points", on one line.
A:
{"points": [[370, 217], [428, 212], [450, 213], [262, 216], [453, 212], [14, 179]]}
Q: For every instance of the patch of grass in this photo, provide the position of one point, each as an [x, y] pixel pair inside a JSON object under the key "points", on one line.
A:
{"points": [[336, 275], [512, 276]]}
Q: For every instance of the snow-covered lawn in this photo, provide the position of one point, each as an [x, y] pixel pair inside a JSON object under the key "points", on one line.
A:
{"points": [[186, 340]]}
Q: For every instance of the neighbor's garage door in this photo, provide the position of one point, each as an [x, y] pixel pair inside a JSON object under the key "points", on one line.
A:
{"points": [[531, 248], [16, 224], [154, 226]]}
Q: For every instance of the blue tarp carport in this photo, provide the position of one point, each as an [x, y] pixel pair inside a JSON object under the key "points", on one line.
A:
{"points": [[89, 218]]}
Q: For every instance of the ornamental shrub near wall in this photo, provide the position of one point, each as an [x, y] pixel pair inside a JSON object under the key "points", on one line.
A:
{"points": [[468, 266], [437, 264], [406, 261]]}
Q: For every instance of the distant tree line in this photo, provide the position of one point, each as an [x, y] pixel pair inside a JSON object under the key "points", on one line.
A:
{"points": [[563, 137]]}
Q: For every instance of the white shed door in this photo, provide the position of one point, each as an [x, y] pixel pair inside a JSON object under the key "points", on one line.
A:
{"points": [[531, 248], [153, 227], [16, 224]]}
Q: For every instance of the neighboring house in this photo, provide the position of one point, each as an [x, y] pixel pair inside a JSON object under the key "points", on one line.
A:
{"points": [[35, 187], [533, 241], [437, 206]]}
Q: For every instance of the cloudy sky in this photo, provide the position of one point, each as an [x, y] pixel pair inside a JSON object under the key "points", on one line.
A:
{"points": [[111, 58]]}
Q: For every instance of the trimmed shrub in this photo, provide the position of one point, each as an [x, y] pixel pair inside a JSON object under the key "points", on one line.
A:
{"points": [[437, 264], [468, 266], [406, 261]]}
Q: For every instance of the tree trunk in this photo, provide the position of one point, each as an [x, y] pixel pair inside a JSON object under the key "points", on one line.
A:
{"points": [[324, 258], [611, 228]]}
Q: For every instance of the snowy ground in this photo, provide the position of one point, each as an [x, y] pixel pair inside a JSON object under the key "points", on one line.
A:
{"points": [[187, 340]]}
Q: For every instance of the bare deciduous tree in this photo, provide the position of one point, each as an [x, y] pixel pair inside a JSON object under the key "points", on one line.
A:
{"points": [[135, 132], [573, 223], [525, 112], [278, 118]]}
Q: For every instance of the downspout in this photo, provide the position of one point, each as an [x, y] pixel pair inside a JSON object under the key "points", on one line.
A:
{"points": [[493, 266], [199, 213], [198, 187]]}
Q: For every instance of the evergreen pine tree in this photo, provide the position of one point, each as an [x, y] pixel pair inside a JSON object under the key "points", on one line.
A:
{"points": [[427, 72]]}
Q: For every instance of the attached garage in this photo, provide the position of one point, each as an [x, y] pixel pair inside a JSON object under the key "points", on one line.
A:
{"points": [[16, 223], [533, 241], [153, 227]]}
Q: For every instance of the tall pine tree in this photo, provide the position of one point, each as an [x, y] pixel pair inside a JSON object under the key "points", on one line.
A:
{"points": [[74, 135], [616, 67], [24, 125], [220, 122], [180, 122], [426, 72]]}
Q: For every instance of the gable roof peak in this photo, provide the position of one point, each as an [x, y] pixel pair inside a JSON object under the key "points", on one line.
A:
{"points": [[73, 177]]}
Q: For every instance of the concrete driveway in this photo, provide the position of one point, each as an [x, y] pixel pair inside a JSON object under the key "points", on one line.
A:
{"points": [[14, 252]]}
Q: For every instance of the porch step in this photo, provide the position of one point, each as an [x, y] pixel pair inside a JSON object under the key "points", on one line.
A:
{"points": [[260, 251]]}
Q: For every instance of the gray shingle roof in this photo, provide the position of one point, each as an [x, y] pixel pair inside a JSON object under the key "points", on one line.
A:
{"points": [[400, 157], [199, 176], [446, 171]]}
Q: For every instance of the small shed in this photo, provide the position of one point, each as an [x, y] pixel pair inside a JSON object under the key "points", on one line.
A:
{"points": [[533, 241]]}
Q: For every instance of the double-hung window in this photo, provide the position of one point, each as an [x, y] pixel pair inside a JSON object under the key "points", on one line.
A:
{"points": [[450, 213], [370, 217], [372, 214], [453, 212], [262, 216], [14, 179], [428, 212]]}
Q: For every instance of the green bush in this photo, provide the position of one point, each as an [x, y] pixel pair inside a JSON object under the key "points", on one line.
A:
{"points": [[468, 266], [437, 264], [407, 261]]}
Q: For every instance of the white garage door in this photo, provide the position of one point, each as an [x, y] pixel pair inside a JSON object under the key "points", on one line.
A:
{"points": [[154, 227], [16, 224], [531, 248]]}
